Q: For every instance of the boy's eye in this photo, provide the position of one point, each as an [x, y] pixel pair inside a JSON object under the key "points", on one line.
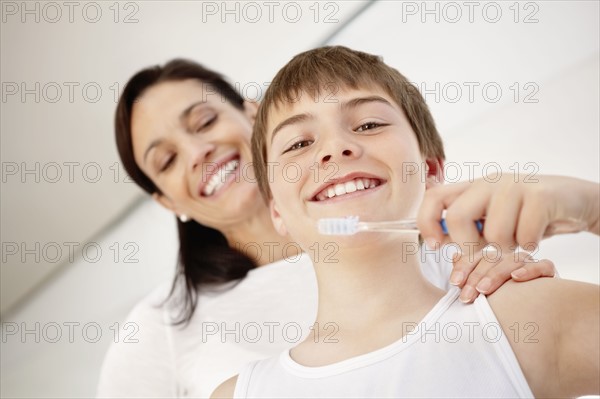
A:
{"points": [[368, 126], [299, 144]]}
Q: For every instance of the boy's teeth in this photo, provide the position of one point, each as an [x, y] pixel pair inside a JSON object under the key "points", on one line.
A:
{"points": [[350, 187], [345, 188], [220, 177]]}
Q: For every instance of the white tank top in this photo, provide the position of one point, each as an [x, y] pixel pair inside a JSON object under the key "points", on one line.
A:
{"points": [[172, 361], [457, 350]]}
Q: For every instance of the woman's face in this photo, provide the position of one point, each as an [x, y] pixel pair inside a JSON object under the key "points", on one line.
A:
{"points": [[195, 146]]}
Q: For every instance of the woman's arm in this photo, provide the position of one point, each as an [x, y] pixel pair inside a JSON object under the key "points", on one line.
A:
{"points": [[225, 390], [142, 367], [516, 213]]}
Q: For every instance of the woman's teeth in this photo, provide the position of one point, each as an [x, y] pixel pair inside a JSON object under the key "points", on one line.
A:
{"points": [[219, 178], [348, 187]]}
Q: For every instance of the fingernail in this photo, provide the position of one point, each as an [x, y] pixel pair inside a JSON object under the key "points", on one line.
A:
{"points": [[519, 273], [484, 285], [467, 294], [457, 278]]}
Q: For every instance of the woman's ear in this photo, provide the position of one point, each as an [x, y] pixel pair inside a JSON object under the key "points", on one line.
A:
{"points": [[434, 175], [276, 218], [250, 109], [164, 201]]}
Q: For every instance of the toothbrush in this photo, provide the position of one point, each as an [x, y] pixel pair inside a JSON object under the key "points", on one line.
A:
{"points": [[351, 225]]}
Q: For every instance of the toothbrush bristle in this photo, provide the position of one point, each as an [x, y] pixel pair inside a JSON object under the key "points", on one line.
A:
{"points": [[338, 226]]}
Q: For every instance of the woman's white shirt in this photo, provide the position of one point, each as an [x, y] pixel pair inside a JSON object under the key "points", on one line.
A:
{"points": [[267, 312]]}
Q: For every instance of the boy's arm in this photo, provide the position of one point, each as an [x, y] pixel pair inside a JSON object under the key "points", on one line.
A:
{"points": [[579, 356], [225, 390], [553, 327]]}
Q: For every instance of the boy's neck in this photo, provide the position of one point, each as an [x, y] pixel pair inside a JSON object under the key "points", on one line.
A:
{"points": [[374, 284]]}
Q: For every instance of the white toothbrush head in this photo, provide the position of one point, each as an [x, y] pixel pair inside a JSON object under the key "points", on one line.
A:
{"points": [[339, 226]]}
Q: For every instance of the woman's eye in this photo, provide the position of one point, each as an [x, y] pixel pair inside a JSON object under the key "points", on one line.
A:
{"points": [[205, 123], [298, 145], [368, 126], [167, 164]]}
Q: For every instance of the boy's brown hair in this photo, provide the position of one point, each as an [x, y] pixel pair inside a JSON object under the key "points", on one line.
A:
{"points": [[326, 69]]}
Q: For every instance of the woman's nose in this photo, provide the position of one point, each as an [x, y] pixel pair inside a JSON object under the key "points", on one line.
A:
{"points": [[198, 154]]}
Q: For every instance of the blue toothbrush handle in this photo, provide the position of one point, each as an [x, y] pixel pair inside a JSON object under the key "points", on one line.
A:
{"points": [[478, 223]]}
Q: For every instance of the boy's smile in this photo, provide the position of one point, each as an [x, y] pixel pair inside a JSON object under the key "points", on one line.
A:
{"points": [[343, 187]]}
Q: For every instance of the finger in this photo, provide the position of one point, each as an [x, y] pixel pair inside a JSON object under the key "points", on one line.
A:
{"points": [[483, 268], [501, 217], [445, 241], [532, 223], [461, 217], [502, 270], [430, 213], [533, 270], [463, 265]]}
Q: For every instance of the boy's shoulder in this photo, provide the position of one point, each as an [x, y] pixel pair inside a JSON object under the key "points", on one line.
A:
{"points": [[534, 316], [543, 304], [540, 299]]}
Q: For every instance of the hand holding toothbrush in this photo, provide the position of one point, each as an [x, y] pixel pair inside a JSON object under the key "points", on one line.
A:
{"points": [[516, 213]]}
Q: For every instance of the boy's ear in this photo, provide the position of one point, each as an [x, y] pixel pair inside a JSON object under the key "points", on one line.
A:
{"points": [[164, 201], [276, 218], [434, 172], [250, 109]]}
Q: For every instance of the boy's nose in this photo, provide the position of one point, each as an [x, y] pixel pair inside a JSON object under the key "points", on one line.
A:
{"points": [[344, 153], [337, 146]]}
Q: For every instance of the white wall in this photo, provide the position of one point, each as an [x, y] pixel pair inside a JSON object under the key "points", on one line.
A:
{"points": [[559, 134], [96, 293]]}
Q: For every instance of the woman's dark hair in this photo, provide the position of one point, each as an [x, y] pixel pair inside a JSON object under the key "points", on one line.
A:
{"points": [[204, 254]]}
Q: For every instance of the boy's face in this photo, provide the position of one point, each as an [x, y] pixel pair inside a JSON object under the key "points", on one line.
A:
{"points": [[354, 153]]}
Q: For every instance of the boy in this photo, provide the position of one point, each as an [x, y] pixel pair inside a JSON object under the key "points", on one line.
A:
{"points": [[350, 125]]}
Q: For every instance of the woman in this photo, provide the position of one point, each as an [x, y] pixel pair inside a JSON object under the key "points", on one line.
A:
{"points": [[242, 292]]}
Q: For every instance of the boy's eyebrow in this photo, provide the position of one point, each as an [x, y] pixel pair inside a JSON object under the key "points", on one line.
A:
{"points": [[292, 120], [355, 102], [362, 100]]}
